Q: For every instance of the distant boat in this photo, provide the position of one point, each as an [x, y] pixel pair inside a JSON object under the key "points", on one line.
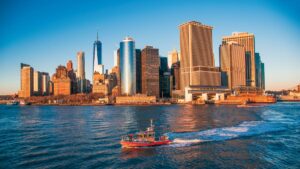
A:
{"points": [[14, 102]]}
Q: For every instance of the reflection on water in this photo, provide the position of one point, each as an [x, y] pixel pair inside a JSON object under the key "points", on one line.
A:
{"points": [[207, 136]]}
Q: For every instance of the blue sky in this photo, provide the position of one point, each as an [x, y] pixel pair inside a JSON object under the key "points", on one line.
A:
{"points": [[45, 33]]}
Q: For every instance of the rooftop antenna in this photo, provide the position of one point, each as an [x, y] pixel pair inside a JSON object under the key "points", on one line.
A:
{"points": [[97, 35]]}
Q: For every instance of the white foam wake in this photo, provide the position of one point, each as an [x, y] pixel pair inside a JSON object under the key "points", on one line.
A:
{"points": [[247, 128]]}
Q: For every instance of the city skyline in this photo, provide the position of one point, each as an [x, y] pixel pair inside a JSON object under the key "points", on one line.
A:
{"points": [[55, 54]]}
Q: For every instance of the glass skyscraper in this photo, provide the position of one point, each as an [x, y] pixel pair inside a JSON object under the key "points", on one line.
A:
{"points": [[97, 57], [128, 66]]}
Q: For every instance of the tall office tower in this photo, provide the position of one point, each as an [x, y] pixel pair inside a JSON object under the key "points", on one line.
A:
{"points": [[80, 65], [248, 41], [81, 81], [61, 81], [233, 65], [165, 78], [72, 76], [26, 81], [127, 66], [45, 83], [257, 70], [150, 71], [197, 60], [138, 71], [37, 83], [97, 57], [173, 57], [263, 82]]}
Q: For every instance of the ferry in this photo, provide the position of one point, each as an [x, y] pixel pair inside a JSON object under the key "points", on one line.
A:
{"points": [[144, 139]]}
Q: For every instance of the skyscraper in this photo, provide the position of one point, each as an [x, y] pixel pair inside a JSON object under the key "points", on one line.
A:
{"points": [[80, 65], [45, 83], [150, 71], [97, 57], [197, 60], [37, 83], [233, 64], [26, 81], [248, 41], [258, 70], [81, 81], [128, 66], [138, 71], [173, 57]]}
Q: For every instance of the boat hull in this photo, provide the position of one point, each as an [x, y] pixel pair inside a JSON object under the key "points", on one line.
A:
{"points": [[144, 144]]}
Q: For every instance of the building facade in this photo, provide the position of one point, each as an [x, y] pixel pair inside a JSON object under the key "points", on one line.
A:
{"points": [[127, 67], [233, 65], [61, 81], [150, 71], [26, 87], [248, 41], [197, 64]]}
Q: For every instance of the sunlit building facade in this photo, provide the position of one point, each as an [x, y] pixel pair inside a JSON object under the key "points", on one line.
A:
{"points": [[232, 64], [127, 66], [248, 41], [26, 87], [197, 60]]}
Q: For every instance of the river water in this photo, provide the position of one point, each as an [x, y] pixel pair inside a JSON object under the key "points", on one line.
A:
{"points": [[205, 136]]}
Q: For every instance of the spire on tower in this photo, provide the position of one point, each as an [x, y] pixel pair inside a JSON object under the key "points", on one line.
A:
{"points": [[97, 35]]}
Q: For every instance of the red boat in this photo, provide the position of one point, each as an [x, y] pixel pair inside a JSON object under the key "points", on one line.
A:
{"points": [[144, 139]]}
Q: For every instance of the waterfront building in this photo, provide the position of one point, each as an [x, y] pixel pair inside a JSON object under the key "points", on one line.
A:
{"points": [[150, 62], [173, 57], [137, 99], [37, 83], [232, 64], [81, 81], [127, 66], [99, 84], [72, 76], [26, 87], [258, 70], [197, 61], [61, 81], [97, 57], [248, 41], [138, 71], [45, 83]]}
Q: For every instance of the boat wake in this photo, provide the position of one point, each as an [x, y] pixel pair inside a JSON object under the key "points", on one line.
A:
{"points": [[244, 129]]}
